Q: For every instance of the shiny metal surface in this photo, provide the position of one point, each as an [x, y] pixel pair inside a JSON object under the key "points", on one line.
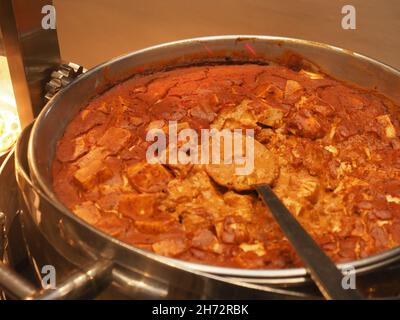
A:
{"points": [[63, 76], [49, 127], [13, 284], [322, 269], [2, 233], [80, 284], [10, 208], [31, 51], [87, 280], [10, 281]]}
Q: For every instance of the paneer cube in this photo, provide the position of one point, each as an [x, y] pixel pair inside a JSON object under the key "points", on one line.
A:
{"points": [[70, 150], [257, 248], [137, 205], [170, 247], [155, 225], [114, 139], [241, 204], [232, 230], [88, 212], [96, 154], [205, 240], [271, 117], [240, 116], [291, 88], [92, 174], [146, 177], [385, 121]]}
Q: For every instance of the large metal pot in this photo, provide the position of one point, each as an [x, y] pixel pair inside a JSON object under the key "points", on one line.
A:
{"points": [[79, 241]]}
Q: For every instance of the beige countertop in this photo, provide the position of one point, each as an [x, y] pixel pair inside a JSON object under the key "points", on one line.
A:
{"points": [[92, 31]]}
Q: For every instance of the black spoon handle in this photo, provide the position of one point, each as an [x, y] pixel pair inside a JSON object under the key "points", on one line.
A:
{"points": [[323, 271]]}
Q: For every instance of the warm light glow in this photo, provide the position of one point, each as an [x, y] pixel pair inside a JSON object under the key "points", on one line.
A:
{"points": [[9, 129], [9, 122], [7, 99]]}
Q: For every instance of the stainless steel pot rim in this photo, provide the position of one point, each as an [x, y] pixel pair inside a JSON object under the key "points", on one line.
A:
{"points": [[361, 265], [277, 39]]}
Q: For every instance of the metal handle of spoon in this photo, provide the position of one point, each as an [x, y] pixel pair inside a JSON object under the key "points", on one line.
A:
{"points": [[323, 271]]}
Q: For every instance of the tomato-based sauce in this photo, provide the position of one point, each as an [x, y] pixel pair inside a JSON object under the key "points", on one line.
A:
{"points": [[336, 153]]}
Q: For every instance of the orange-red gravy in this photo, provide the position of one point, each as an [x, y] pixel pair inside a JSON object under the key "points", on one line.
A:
{"points": [[338, 152]]}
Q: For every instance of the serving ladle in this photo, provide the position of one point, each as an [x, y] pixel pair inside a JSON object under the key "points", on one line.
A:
{"points": [[322, 269]]}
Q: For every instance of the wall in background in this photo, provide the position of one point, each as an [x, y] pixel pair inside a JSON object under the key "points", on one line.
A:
{"points": [[92, 31]]}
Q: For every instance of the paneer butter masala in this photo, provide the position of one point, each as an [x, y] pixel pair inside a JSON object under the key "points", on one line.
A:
{"points": [[331, 152]]}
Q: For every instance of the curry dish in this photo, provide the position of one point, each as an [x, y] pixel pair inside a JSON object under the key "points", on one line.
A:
{"points": [[331, 152]]}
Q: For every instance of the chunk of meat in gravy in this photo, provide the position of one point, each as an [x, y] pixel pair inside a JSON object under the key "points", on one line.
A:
{"points": [[92, 174], [146, 177], [70, 150], [200, 205], [257, 248], [293, 91], [109, 201], [195, 200], [205, 240], [114, 139], [87, 211], [194, 219], [297, 189], [157, 224], [112, 224], [96, 154], [271, 117], [305, 124], [232, 230], [179, 170], [240, 116], [249, 114], [137, 206], [241, 205], [107, 222], [259, 157], [170, 247], [86, 120], [203, 112], [192, 187]]}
